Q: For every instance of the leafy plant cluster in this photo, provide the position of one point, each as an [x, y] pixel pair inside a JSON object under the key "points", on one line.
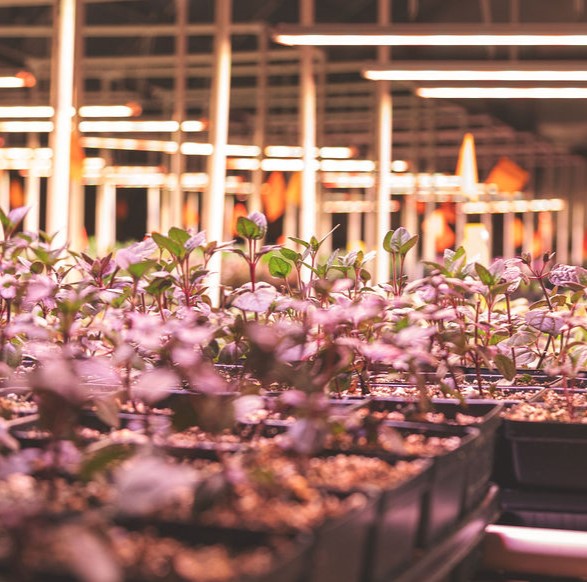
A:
{"points": [[122, 333]]}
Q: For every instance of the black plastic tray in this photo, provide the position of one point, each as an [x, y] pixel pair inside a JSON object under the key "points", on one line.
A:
{"points": [[548, 454]]}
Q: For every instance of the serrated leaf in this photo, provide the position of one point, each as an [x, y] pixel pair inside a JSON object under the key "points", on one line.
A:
{"points": [[166, 243], [505, 366], [279, 267]]}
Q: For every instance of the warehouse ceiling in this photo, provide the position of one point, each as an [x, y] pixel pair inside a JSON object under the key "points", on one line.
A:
{"points": [[128, 55]]}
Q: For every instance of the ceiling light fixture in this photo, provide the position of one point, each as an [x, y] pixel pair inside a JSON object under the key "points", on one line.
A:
{"points": [[96, 111], [502, 92], [22, 79], [128, 126], [475, 71], [430, 35], [26, 126]]}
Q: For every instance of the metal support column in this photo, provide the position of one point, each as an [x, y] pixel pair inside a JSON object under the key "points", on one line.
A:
{"points": [[32, 189], [260, 118], [178, 159], [58, 193], [153, 209], [308, 127], [384, 129], [105, 217], [220, 111]]}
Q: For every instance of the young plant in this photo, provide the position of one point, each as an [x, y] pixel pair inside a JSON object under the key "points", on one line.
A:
{"points": [[398, 244]]}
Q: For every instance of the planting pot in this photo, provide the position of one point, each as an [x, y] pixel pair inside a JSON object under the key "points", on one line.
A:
{"points": [[445, 503], [548, 454], [545, 509], [394, 536], [483, 416], [339, 551]]}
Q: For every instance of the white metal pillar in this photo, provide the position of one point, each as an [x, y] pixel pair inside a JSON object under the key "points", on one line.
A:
{"points": [[308, 128], [59, 187], [32, 189], [578, 218], [153, 209], [77, 235], [105, 217], [509, 249], [178, 159], [384, 129], [5, 190], [220, 111], [260, 118]]}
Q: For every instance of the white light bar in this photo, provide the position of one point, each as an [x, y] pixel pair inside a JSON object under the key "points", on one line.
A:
{"points": [[347, 165], [508, 206], [193, 126], [546, 71], [284, 151], [196, 149], [502, 92], [26, 111], [355, 206], [338, 153], [205, 149], [243, 164], [128, 126], [46, 111], [430, 35], [117, 143], [22, 79], [128, 110], [400, 166], [282, 165], [26, 126]]}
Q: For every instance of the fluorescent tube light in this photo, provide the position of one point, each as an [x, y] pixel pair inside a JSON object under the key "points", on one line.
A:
{"points": [[26, 126], [22, 79], [339, 153], [128, 126], [552, 71], [196, 149], [502, 92], [128, 110], [193, 126], [26, 112], [347, 165], [117, 143], [430, 35]]}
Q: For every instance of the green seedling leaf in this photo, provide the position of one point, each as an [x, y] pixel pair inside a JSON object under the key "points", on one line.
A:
{"points": [[166, 243], [279, 267], [248, 229], [505, 366], [484, 275], [137, 270], [179, 235], [299, 241], [405, 248], [291, 255]]}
